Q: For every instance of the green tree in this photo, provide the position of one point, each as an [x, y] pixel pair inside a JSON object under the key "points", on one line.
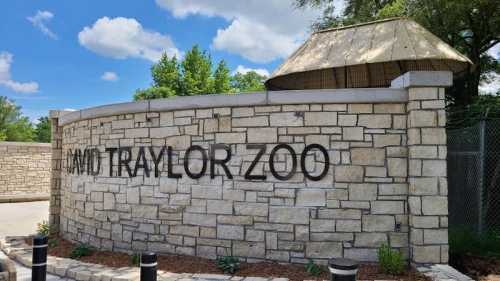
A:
{"points": [[165, 73], [9, 113], [248, 82], [43, 130], [166, 80], [20, 130], [154, 93], [222, 78], [196, 73], [194, 76], [471, 26]]}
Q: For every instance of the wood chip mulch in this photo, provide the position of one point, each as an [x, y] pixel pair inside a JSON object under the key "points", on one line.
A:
{"points": [[476, 267], [188, 264]]}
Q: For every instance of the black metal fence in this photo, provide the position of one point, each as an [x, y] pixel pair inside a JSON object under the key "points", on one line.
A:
{"points": [[474, 176]]}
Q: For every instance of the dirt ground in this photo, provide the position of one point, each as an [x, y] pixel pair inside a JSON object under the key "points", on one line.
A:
{"points": [[478, 268], [188, 264]]}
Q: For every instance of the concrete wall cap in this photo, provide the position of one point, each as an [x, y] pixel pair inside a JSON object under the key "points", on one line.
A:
{"points": [[423, 79], [25, 144], [59, 113], [361, 95], [115, 109], [204, 101], [365, 95]]}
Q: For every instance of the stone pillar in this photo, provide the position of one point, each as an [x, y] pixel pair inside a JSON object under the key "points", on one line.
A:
{"points": [[55, 179], [428, 191]]}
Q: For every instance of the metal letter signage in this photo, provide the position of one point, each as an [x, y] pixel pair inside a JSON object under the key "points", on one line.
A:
{"points": [[88, 161]]}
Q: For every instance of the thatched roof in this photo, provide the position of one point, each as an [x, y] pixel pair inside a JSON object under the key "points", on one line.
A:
{"points": [[365, 55]]}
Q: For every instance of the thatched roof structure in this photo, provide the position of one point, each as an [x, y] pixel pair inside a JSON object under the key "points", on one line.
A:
{"points": [[365, 55]]}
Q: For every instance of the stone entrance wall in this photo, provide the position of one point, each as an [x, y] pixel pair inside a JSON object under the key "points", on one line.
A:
{"points": [[24, 168], [362, 202]]}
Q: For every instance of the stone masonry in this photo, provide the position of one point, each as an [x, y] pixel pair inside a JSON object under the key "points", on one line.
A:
{"points": [[428, 189], [24, 168], [55, 180], [386, 182]]}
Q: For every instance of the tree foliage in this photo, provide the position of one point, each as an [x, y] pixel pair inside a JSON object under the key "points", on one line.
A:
{"points": [[196, 73], [482, 107], [20, 130], [43, 130], [470, 26], [15, 127], [248, 82], [9, 112], [194, 76], [222, 78]]}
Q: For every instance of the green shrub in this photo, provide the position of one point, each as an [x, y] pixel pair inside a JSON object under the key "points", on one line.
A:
{"points": [[80, 251], [135, 260], [228, 264], [464, 240], [43, 228], [53, 243], [313, 269], [390, 261]]}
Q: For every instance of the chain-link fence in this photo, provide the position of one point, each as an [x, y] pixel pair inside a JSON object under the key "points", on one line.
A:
{"points": [[474, 176]]}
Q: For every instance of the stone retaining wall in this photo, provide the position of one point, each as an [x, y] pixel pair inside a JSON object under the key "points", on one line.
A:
{"points": [[24, 168], [376, 163]]}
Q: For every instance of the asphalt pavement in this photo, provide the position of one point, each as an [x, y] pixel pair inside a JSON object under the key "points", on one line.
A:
{"points": [[19, 219]]}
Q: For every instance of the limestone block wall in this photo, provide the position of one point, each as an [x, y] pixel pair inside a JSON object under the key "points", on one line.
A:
{"points": [[121, 179], [428, 199], [24, 168]]}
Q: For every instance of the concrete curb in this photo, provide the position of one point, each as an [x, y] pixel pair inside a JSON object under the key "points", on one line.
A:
{"points": [[15, 248], [7, 270]]}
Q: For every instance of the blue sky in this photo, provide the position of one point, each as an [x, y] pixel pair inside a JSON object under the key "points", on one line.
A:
{"points": [[74, 54]]}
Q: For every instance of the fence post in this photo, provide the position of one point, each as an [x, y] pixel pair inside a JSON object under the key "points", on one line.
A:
{"points": [[482, 159], [148, 266], [39, 261]]}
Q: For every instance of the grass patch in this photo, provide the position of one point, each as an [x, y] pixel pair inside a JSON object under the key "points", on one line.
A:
{"points": [[81, 250]]}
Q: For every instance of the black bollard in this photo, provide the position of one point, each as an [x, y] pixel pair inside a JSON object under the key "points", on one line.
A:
{"points": [[148, 266], [39, 261], [343, 269]]}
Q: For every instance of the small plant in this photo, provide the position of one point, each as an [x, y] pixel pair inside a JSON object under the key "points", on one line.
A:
{"points": [[228, 264], [390, 261], [135, 259], [313, 269], [80, 251], [53, 243], [43, 228]]}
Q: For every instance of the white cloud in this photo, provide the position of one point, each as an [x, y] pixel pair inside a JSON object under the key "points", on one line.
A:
{"points": [[40, 20], [492, 86], [6, 60], [109, 76], [122, 38], [260, 31], [253, 41], [495, 51], [244, 70]]}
